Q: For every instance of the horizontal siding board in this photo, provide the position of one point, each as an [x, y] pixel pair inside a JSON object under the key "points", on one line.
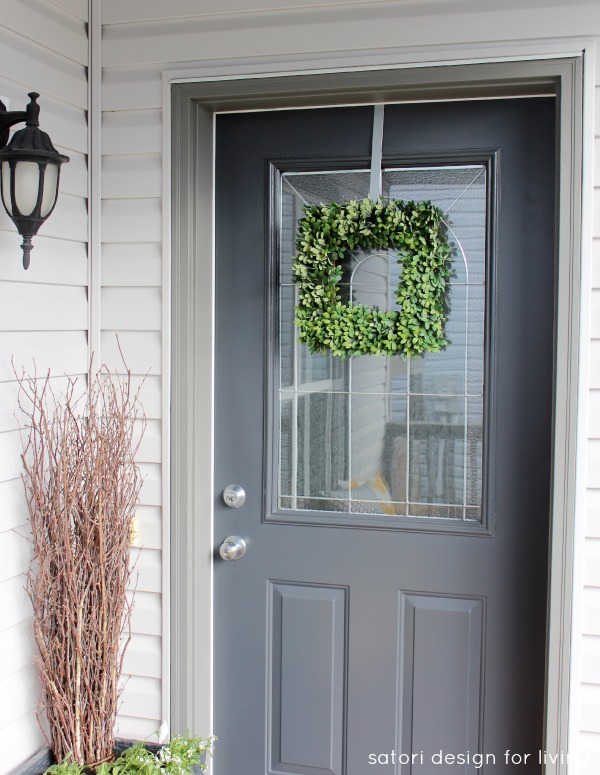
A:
{"points": [[15, 551], [150, 445], [595, 364], [116, 12], [289, 33], [141, 350], [143, 656], [58, 80], [595, 315], [54, 261], [589, 715], [146, 617], [132, 177], [596, 261], [131, 220], [588, 763], [48, 26], [10, 459], [23, 689], [594, 414], [146, 575], [593, 464], [192, 39], [591, 566], [64, 352], [592, 521], [149, 527], [591, 611], [150, 395], [11, 417], [590, 659], [14, 506], [131, 309], [16, 648], [141, 698], [590, 742], [132, 728], [73, 176], [147, 390], [29, 307], [14, 602], [77, 8], [131, 89], [131, 131], [26, 730], [129, 266]]}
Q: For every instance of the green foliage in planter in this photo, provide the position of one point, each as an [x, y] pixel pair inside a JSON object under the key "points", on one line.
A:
{"points": [[182, 756], [67, 767], [328, 234]]}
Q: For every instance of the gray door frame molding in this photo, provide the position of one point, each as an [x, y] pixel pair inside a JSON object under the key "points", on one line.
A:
{"points": [[193, 107]]}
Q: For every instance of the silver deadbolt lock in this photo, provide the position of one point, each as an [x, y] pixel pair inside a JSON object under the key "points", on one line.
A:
{"points": [[233, 548], [234, 496]]}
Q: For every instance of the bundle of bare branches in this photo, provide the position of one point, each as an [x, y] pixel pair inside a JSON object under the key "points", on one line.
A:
{"points": [[82, 487]]}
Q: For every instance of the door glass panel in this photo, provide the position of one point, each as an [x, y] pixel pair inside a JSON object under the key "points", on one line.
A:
{"points": [[378, 435]]}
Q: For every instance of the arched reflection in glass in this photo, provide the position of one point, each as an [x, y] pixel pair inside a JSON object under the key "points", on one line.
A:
{"points": [[375, 435]]}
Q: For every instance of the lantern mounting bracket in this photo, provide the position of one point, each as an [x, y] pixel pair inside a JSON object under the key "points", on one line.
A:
{"points": [[9, 118]]}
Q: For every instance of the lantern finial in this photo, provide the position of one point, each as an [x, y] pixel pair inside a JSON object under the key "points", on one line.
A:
{"points": [[27, 247], [33, 110]]}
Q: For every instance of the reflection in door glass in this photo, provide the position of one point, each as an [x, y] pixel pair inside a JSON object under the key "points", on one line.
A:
{"points": [[376, 435]]}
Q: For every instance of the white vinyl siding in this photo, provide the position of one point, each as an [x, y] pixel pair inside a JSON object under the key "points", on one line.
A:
{"points": [[43, 314]]}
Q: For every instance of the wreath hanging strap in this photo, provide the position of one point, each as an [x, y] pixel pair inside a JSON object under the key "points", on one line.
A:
{"points": [[328, 234]]}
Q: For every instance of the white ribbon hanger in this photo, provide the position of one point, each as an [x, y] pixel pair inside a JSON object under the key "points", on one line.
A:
{"points": [[376, 152]]}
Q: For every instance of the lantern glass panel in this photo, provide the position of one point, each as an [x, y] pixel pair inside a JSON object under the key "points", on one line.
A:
{"points": [[6, 187], [50, 189], [27, 183]]}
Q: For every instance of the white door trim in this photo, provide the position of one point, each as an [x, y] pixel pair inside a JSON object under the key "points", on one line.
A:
{"points": [[189, 329]]}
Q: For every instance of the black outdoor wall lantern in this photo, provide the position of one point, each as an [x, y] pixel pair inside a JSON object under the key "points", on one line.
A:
{"points": [[29, 171]]}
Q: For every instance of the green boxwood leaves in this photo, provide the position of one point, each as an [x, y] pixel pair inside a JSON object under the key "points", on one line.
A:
{"points": [[328, 234]]}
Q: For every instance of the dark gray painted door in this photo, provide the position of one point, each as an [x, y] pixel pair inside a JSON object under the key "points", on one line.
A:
{"points": [[392, 601]]}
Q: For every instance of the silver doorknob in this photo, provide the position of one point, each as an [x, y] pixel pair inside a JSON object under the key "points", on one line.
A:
{"points": [[233, 548], [234, 496]]}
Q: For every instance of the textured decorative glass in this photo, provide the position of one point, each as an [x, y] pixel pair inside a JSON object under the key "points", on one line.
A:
{"points": [[376, 435]]}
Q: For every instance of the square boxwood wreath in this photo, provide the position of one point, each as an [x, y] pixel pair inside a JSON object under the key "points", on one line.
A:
{"points": [[328, 234]]}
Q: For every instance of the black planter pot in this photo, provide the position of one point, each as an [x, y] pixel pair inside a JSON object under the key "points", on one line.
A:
{"points": [[39, 763], [122, 745]]}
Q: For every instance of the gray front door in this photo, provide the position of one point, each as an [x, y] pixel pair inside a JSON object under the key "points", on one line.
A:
{"points": [[389, 614]]}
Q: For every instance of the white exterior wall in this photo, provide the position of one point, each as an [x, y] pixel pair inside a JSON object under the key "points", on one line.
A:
{"points": [[143, 38], [43, 312]]}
